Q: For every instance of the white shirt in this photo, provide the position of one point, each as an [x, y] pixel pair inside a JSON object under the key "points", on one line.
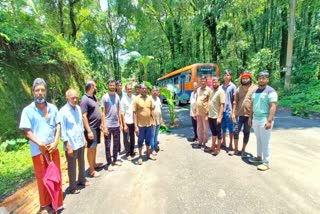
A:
{"points": [[126, 108], [192, 103]]}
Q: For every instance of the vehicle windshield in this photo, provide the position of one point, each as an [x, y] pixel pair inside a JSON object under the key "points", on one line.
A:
{"points": [[207, 71]]}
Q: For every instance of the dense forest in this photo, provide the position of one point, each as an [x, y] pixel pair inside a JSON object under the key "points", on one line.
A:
{"points": [[69, 41]]}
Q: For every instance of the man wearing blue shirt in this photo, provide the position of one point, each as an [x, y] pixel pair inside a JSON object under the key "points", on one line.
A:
{"points": [[39, 123], [72, 134], [264, 101]]}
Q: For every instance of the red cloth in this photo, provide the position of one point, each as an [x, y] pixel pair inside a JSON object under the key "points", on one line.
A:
{"points": [[40, 165], [245, 75]]}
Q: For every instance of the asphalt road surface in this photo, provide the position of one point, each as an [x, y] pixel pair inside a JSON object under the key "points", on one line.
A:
{"points": [[187, 180]]}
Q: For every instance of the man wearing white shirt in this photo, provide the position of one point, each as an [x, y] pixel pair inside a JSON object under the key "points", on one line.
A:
{"points": [[192, 110], [127, 121]]}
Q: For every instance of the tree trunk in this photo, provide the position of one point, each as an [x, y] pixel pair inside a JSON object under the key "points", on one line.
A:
{"points": [[211, 24], [308, 28], [287, 85], [13, 6], [203, 45], [61, 24], [72, 19], [197, 48], [284, 40]]}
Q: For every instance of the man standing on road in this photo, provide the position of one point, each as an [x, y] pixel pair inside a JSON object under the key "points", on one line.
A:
{"points": [[157, 118], [144, 121], [230, 90], [111, 123], [40, 126], [241, 111], [127, 121], [264, 104], [91, 120], [216, 107], [70, 117], [193, 111], [202, 99]]}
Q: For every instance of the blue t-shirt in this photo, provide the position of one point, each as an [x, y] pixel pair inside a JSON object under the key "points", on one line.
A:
{"points": [[44, 129], [111, 103], [261, 98], [230, 91]]}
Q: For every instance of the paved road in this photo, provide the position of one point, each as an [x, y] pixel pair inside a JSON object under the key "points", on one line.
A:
{"points": [[187, 180]]}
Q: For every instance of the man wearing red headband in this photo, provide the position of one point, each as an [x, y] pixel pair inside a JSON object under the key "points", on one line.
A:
{"points": [[241, 111]]}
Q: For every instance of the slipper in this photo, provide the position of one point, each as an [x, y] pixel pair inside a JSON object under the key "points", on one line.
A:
{"points": [[86, 183], [110, 168], [98, 166], [263, 167], [152, 157], [140, 161], [95, 174], [75, 191], [215, 153], [231, 153]]}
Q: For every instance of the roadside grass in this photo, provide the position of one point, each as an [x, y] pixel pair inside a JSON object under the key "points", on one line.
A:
{"points": [[16, 169]]}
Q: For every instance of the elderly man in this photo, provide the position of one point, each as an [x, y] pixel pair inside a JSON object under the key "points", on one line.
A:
{"points": [[157, 119], [193, 110], [127, 121], [144, 121], [263, 109], [91, 120], [40, 125], [111, 123], [72, 135], [202, 110]]}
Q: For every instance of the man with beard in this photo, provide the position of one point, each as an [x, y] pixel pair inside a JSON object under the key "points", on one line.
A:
{"points": [[203, 95], [216, 107], [241, 111], [111, 123], [227, 123], [91, 120], [40, 125], [263, 108]]}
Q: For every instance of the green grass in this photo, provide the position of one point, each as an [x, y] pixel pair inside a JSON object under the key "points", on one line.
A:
{"points": [[17, 169]]}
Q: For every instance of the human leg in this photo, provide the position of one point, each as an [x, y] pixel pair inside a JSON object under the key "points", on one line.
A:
{"points": [[194, 125], [200, 130]]}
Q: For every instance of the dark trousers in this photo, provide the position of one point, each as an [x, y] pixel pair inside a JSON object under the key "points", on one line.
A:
{"points": [[115, 132], [72, 170], [194, 125], [129, 140], [242, 121]]}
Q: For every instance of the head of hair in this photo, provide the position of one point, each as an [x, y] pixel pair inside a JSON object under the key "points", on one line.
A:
{"points": [[227, 71], [128, 84], [38, 81], [203, 77], [89, 84], [264, 73], [111, 80], [137, 86]]}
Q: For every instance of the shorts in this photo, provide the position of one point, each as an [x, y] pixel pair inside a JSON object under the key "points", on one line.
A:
{"points": [[227, 123], [215, 128], [145, 133], [96, 140]]}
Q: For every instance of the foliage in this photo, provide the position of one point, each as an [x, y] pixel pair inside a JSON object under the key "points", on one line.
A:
{"points": [[169, 95], [164, 129], [12, 145]]}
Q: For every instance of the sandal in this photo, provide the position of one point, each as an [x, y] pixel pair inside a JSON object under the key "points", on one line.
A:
{"points": [[85, 183], [94, 174], [75, 191], [140, 161], [263, 167], [98, 166], [152, 158]]}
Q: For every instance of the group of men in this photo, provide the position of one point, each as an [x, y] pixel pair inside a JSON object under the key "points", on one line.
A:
{"points": [[81, 126], [228, 108]]}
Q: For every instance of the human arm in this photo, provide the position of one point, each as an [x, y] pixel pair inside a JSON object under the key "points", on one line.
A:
{"points": [[29, 134], [272, 111], [86, 125]]}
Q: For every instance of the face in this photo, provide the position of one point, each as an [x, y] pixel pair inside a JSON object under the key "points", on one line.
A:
{"points": [[94, 88], [263, 81], [154, 92], [73, 98], [227, 77], [215, 83], [112, 86], [138, 91], [129, 90], [39, 93], [144, 90], [119, 88], [195, 86], [203, 83], [245, 81]]}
